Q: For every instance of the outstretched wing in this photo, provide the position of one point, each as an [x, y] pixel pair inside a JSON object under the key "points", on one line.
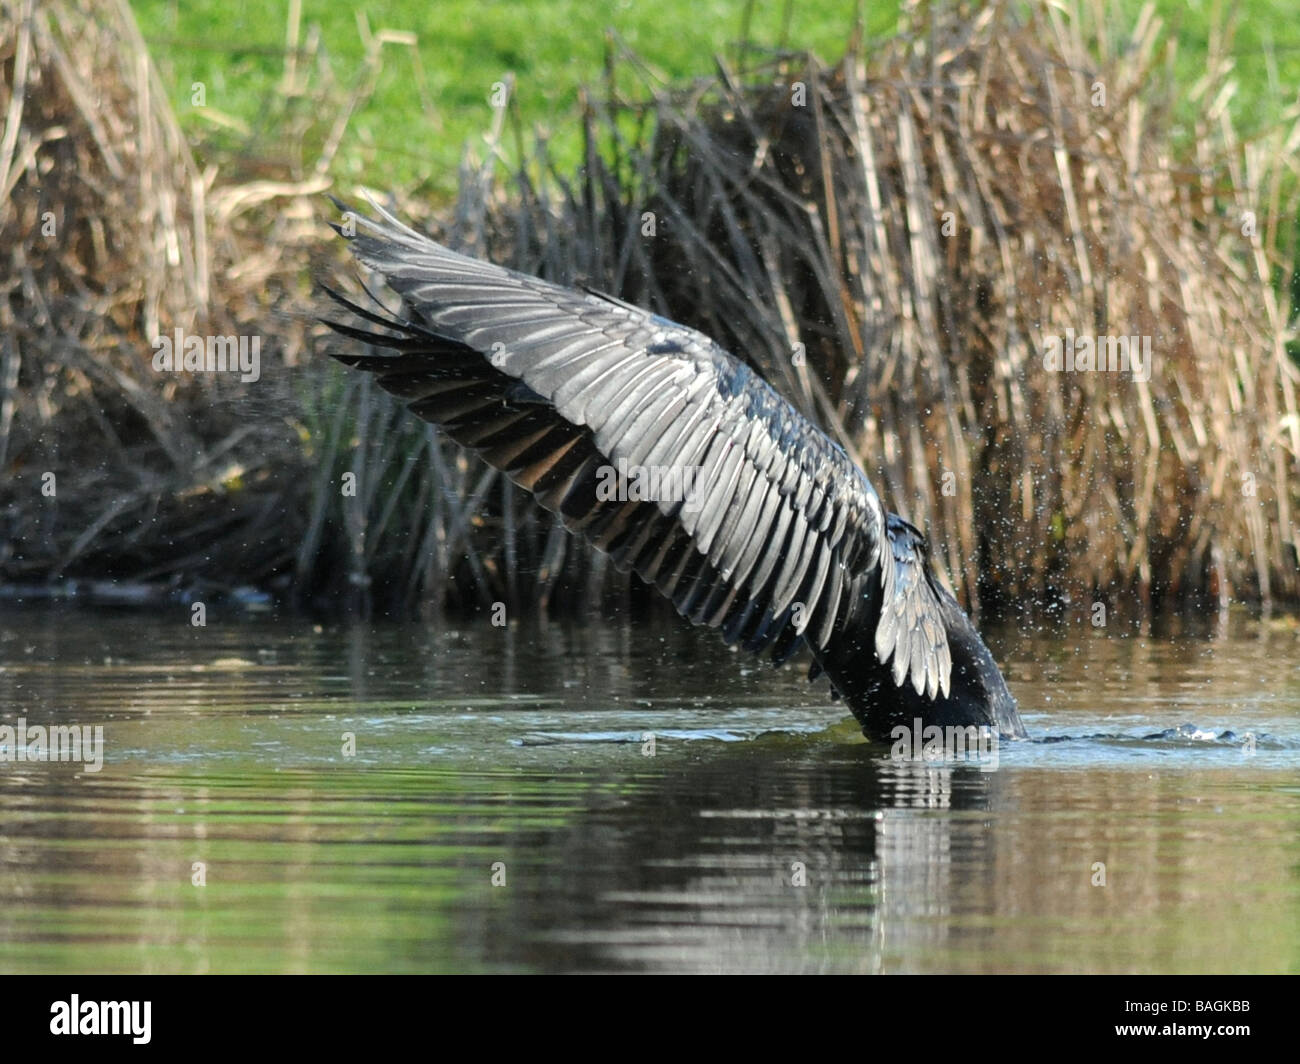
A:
{"points": [[767, 530]]}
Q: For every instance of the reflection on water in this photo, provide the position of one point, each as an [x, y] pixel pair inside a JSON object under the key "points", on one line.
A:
{"points": [[762, 835]]}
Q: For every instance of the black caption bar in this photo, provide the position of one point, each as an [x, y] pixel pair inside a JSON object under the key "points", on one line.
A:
{"points": [[149, 1013]]}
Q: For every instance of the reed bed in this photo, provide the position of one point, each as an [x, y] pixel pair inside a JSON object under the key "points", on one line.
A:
{"points": [[895, 240], [892, 240], [112, 236]]}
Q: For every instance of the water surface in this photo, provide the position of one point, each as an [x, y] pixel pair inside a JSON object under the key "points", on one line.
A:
{"points": [[501, 807]]}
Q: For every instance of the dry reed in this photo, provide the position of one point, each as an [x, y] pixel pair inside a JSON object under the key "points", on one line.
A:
{"points": [[918, 227], [891, 240]]}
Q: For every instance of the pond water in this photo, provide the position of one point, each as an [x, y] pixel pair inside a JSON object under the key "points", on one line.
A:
{"points": [[632, 797]]}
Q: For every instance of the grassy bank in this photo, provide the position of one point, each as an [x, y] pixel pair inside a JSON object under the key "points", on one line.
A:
{"points": [[428, 68], [934, 210]]}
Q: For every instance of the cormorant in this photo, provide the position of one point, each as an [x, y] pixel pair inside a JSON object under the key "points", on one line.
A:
{"points": [[680, 463]]}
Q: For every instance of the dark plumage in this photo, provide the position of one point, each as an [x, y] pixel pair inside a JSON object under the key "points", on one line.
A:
{"points": [[783, 541]]}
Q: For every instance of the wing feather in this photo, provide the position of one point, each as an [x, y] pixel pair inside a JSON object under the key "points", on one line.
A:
{"points": [[784, 535]]}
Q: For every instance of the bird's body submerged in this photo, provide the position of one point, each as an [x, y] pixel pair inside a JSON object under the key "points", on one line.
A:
{"points": [[754, 523]]}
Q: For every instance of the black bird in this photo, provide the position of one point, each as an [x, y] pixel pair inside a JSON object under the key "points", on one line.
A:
{"points": [[681, 464]]}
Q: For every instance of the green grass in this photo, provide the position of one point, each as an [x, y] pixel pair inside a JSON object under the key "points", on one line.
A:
{"points": [[411, 130], [405, 136], [552, 47]]}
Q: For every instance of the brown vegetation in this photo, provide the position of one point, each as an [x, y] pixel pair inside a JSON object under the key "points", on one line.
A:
{"points": [[917, 225]]}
